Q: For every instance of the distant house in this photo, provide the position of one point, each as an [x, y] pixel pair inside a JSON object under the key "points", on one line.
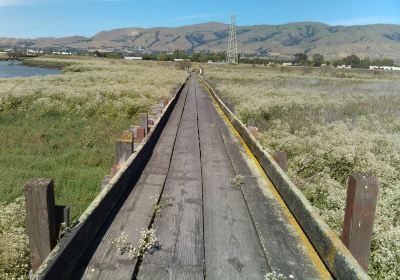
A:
{"points": [[386, 68], [178, 59], [33, 52], [391, 68], [215, 62], [344, 66], [133, 57], [375, 68], [287, 64]]}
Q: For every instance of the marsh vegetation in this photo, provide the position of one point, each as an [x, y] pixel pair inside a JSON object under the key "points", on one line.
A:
{"points": [[331, 123], [63, 127]]}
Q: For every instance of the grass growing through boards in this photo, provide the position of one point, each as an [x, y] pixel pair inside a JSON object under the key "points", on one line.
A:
{"points": [[331, 123], [63, 127]]}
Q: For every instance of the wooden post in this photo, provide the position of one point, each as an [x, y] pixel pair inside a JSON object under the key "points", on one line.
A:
{"points": [[62, 217], [124, 148], [41, 219], [253, 131], [140, 134], [281, 159], [165, 101], [105, 181], [152, 119], [144, 122], [362, 196], [201, 70], [156, 110]]}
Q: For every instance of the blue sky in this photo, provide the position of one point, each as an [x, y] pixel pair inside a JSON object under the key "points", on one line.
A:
{"points": [[38, 18]]}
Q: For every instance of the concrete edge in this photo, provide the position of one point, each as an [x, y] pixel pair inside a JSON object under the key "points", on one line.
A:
{"points": [[337, 258], [62, 260]]}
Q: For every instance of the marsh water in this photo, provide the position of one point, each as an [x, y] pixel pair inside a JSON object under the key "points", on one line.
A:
{"points": [[9, 69]]}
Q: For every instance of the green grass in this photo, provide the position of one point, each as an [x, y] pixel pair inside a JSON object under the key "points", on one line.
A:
{"points": [[47, 63], [75, 152], [63, 126]]}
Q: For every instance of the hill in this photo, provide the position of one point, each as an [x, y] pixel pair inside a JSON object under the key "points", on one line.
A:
{"points": [[378, 40]]}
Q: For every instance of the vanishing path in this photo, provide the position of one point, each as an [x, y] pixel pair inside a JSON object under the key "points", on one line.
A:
{"points": [[207, 227]]}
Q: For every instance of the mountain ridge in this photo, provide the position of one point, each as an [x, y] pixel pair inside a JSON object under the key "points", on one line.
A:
{"points": [[374, 40]]}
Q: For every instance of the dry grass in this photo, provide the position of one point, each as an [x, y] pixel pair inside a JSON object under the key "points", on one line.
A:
{"points": [[331, 123]]}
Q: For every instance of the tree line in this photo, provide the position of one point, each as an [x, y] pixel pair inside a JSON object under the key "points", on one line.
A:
{"points": [[194, 56], [299, 59], [353, 60]]}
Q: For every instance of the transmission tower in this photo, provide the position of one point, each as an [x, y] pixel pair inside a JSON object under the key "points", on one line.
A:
{"points": [[232, 56]]}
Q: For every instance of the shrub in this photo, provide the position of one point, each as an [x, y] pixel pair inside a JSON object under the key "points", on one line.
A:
{"points": [[14, 254]]}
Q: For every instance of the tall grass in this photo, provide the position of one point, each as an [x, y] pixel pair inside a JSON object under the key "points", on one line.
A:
{"points": [[331, 123], [63, 127]]}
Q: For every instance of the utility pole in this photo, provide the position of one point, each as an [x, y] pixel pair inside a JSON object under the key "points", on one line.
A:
{"points": [[232, 56]]}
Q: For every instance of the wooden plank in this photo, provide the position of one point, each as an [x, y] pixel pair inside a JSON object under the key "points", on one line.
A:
{"points": [[151, 272], [232, 250], [283, 246], [179, 225], [102, 260], [160, 162]]}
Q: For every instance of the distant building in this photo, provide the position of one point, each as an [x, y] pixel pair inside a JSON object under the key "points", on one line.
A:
{"points": [[215, 62], [178, 59], [133, 57], [34, 51], [344, 66], [386, 68], [391, 68], [287, 64]]}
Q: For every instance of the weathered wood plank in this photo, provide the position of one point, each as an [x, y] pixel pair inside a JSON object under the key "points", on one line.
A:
{"points": [[179, 225], [287, 249], [151, 272], [232, 250]]}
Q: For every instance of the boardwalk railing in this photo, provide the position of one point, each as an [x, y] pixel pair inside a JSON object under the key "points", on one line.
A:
{"points": [[63, 258], [337, 258]]}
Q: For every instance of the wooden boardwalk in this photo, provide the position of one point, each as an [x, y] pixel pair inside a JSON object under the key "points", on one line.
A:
{"points": [[207, 227]]}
